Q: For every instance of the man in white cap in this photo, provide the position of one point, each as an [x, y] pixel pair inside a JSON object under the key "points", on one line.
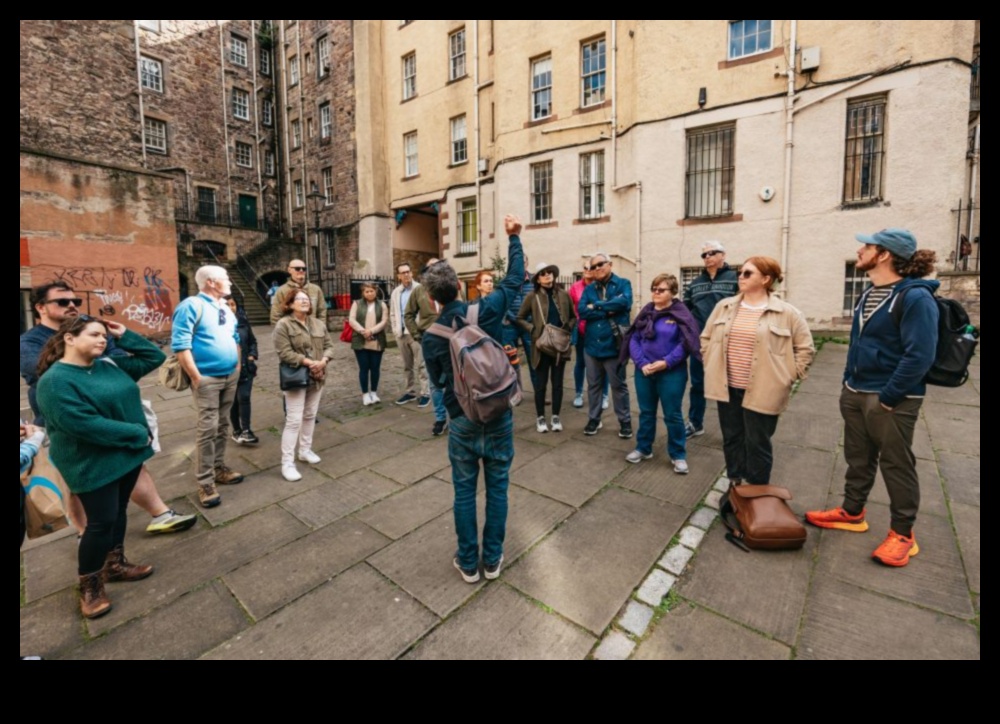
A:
{"points": [[716, 283]]}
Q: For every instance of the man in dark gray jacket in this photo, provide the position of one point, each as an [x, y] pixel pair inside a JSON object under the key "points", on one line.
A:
{"points": [[716, 283]]}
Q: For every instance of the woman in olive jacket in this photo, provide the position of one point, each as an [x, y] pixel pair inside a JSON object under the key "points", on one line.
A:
{"points": [[548, 304], [368, 319], [301, 340]]}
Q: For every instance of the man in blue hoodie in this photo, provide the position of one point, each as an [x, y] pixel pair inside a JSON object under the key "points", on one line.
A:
{"points": [[892, 350]]}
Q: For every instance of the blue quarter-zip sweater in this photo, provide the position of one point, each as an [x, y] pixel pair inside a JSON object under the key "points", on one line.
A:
{"points": [[612, 301], [892, 359]]}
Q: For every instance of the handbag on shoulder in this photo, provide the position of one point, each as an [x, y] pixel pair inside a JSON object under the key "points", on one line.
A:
{"points": [[553, 341], [293, 378]]}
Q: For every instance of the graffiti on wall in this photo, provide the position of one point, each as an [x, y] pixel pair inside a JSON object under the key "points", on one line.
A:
{"points": [[139, 297]]}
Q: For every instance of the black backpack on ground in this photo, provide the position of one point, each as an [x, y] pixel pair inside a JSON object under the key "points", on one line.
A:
{"points": [[957, 342]]}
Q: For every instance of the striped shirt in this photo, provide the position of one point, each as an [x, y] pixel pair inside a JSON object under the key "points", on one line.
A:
{"points": [[874, 300], [742, 340]]}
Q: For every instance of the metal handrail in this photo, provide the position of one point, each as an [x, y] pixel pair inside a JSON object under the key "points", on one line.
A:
{"points": [[252, 277]]}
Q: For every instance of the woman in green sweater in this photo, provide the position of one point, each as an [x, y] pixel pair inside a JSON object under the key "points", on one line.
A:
{"points": [[100, 440]]}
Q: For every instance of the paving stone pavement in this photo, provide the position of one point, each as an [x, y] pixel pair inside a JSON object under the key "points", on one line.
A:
{"points": [[604, 561]]}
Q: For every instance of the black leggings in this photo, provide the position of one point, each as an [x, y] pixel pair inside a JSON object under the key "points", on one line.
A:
{"points": [[547, 366], [239, 416], [106, 521], [369, 368]]}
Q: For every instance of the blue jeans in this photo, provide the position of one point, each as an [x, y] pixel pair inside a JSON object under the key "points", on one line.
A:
{"points": [[511, 334], [667, 391], [580, 370], [698, 404], [493, 444], [437, 399]]}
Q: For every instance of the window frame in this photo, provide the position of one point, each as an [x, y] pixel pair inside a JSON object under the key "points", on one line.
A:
{"points": [[459, 146], [244, 151], [239, 50], [732, 24], [203, 204], [154, 26], [324, 65], [294, 74], [536, 91], [542, 194], [601, 72], [296, 133], [241, 104], [325, 123], [327, 175], [592, 188], [150, 124], [408, 170], [298, 193], [861, 167], [264, 62], [456, 59], [267, 112], [467, 230], [701, 200], [410, 81], [157, 76], [855, 285], [270, 163]]}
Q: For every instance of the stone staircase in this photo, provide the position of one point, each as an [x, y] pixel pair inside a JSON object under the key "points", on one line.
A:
{"points": [[257, 312]]}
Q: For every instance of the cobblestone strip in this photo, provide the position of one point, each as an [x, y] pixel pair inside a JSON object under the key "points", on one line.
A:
{"points": [[624, 636]]}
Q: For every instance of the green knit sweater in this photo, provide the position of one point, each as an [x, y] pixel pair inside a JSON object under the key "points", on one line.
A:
{"points": [[94, 415]]}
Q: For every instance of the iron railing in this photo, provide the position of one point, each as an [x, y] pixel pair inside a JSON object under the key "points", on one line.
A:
{"points": [[976, 73], [252, 278], [225, 218], [966, 253]]}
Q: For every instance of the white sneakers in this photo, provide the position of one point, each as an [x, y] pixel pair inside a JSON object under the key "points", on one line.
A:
{"points": [[370, 398], [289, 473], [310, 457], [556, 425], [681, 467], [541, 425]]}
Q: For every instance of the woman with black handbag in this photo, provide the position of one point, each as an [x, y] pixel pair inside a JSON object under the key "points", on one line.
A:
{"points": [[304, 348], [553, 317]]}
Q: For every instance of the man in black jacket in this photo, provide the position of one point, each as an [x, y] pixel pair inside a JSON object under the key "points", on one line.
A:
{"points": [[716, 283]]}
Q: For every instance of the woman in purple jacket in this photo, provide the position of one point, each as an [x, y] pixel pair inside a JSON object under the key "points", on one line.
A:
{"points": [[659, 342]]}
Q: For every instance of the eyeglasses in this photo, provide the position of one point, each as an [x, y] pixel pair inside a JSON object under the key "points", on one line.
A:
{"points": [[710, 254], [747, 274], [599, 265], [659, 290], [65, 303], [297, 268], [299, 300]]}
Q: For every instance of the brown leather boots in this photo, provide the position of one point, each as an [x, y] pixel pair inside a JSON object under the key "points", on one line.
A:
{"points": [[94, 601]]}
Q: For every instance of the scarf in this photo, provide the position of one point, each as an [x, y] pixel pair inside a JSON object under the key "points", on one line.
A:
{"points": [[645, 326]]}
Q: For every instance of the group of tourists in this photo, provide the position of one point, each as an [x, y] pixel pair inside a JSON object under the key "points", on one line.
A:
{"points": [[730, 335]]}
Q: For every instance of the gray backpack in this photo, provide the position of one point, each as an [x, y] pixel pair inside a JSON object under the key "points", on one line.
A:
{"points": [[485, 382]]}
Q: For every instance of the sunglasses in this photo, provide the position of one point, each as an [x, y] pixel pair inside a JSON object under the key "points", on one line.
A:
{"points": [[65, 303], [599, 265], [747, 274], [297, 268], [710, 254], [659, 290]]}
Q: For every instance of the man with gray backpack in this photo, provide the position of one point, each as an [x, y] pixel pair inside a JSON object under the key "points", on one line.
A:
{"points": [[465, 358]]}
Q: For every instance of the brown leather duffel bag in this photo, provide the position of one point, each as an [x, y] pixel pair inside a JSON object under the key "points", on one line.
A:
{"points": [[758, 518]]}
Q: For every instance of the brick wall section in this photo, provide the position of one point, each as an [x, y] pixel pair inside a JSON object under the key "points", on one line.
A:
{"points": [[338, 153], [67, 76]]}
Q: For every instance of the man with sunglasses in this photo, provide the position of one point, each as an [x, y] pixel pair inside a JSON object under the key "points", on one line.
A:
{"points": [[55, 303], [297, 281], [719, 281]]}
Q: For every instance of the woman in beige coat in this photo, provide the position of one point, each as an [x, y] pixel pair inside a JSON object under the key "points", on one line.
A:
{"points": [[756, 347], [301, 340]]}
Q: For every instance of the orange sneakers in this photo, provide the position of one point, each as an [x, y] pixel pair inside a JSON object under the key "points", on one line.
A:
{"points": [[838, 519], [897, 550]]}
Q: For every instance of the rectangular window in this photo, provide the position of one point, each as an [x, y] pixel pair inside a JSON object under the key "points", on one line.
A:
{"points": [[310, 128], [325, 121], [207, 211], [412, 157], [864, 156], [153, 25], [468, 227], [456, 53], [459, 142], [300, 198], [855, 284], [244, 155], [238, 50], [689, 275], [592, 185], [328, 185], [409, 76], [541, 193], [749, 37], [541, 89], [309, 63], [323, 56], [156, 135], [269, 163], [265, 61], [711, 172], [594, 72], [152, 74], [293, 70], [241, 104], [267, 112], [330, 243], [296, 133]]}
